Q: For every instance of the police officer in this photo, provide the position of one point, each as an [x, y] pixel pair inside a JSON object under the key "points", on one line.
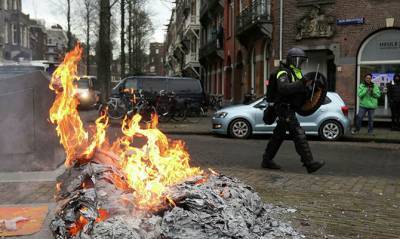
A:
{"points": [[394, 101], [291, 87]]}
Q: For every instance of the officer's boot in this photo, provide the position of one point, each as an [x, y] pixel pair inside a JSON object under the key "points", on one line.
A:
{"points": [[273, 146], [303, 149], [313, 166], [270, 164]]}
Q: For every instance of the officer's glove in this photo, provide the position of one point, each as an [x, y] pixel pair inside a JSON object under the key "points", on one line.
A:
{"points": [[308, 87]]}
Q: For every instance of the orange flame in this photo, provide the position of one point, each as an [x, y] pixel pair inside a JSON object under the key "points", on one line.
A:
{"points": [[78, 226], [64, 112], [82, 221], [149, 170]]}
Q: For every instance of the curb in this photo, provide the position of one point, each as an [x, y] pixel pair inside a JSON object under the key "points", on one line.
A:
{"points": [[344, 139], [375, 140], [187, 133]]}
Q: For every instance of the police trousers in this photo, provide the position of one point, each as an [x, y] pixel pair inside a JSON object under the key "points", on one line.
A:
{"points": [[287, 121]]}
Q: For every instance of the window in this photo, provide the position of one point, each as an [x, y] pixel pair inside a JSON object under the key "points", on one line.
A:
{"points": [[83, 84], [21, 36], [27, 38], [157, 51], [49, 41], [131, 84], [14, 34], [6, 34], [152, 69], [230, 20], [153, 84], [327, 101], [185, 86]]}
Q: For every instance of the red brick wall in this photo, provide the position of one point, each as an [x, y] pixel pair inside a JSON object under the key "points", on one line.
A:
{"points": [[348, 38]]}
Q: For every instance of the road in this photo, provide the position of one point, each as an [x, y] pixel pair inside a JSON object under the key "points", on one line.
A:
{"points": [[356, 195], [342, 158]]}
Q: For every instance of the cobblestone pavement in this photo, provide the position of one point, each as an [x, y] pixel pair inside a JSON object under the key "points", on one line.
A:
{"points": [[327, 206], [331, 206]]}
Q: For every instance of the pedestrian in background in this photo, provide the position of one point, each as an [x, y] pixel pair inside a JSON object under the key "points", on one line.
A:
{"points": [[394, 101], [369, 93]]}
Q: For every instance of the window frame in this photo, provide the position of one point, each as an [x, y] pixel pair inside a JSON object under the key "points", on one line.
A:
{"points": [[14, 34]]}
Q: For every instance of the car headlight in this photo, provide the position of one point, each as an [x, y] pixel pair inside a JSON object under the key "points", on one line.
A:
{"points": [[84, 94], [221, 114]]}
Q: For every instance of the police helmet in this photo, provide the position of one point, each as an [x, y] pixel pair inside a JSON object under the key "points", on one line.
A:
{"points": [[296, 57]]}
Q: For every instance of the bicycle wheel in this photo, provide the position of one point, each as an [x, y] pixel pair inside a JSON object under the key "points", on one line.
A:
{"points": [[203, 111], [115, 110], [163, 113], [180, 115]]}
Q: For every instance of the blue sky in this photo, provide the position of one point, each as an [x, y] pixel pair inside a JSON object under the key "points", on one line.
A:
{"points": [[51, 11]]}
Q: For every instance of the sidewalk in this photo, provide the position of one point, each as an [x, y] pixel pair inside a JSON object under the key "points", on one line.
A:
{"points": [[202, 126]]}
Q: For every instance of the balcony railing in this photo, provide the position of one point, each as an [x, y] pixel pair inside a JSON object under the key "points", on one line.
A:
{"points": [[192, 57], [259, 11], [212, 46], [209, 5], [191, 20]]}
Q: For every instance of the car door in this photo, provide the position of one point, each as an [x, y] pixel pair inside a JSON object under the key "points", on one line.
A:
{"points": [[258, 110], [310, 123]]}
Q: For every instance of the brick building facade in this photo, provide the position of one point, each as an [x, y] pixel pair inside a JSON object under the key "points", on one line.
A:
{"points": [[182, 41], [14, 32], [248, 47], [347, 38], [156, 59], [38, 39], [212, 45]]}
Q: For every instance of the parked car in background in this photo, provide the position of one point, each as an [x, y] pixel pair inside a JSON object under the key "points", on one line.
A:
{"points": [[330, 121], [87, 95], [183, 87]]}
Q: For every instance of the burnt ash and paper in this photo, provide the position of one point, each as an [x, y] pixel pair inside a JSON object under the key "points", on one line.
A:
{"points": [[207, 206]]}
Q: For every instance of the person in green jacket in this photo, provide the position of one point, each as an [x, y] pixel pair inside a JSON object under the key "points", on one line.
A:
{"points": [[369, 93]]}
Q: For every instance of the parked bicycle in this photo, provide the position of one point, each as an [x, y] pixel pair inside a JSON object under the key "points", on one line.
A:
{"points": [[169, 107], [248, 98], [129, 103], [216, 101]]}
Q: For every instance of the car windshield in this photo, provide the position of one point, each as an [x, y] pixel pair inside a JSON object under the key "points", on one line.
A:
{"points": [[83, 84]]}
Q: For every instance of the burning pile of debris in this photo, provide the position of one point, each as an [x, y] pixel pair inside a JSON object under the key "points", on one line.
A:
{"points": [[211, 206], [141, 185]]}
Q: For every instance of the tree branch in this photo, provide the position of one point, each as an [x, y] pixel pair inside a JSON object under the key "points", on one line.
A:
{"points": [[112, 4]]}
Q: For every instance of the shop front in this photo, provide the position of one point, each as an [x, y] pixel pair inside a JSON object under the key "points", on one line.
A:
{"points": [[380, 55]]}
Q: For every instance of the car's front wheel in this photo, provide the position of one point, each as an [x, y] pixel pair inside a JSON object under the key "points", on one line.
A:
{"points": [[331, 130], [240, 129]]}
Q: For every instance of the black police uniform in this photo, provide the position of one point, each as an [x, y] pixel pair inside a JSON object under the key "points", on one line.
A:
{"points": [[291, 89], [394, 100]]}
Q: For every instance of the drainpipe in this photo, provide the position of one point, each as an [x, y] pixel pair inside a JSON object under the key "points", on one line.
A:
{"points": [[280, 29], [233, 61]]}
